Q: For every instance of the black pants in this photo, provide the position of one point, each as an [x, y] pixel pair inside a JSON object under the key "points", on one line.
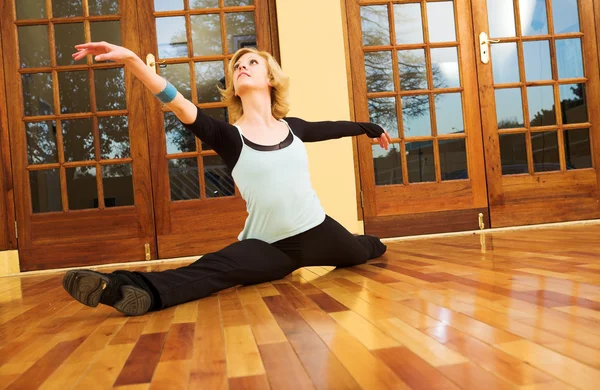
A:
{"points": [[253, 261]]}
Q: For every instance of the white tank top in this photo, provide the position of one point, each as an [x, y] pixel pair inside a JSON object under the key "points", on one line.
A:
{"points": [[276, 186]]}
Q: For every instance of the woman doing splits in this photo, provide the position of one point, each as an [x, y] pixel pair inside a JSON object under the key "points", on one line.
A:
{"points": [[286, 228]]}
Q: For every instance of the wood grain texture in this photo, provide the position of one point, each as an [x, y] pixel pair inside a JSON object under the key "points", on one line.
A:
{"points": [[502, 310]]}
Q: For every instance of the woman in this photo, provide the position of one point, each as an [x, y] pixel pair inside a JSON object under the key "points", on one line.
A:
{"points": [[286, 228]]}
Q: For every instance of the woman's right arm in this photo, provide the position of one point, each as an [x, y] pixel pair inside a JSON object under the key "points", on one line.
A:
{"points": [[185, 110]]}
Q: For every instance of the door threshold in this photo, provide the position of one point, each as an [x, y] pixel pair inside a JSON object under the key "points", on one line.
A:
{"points": [[495, 230]]}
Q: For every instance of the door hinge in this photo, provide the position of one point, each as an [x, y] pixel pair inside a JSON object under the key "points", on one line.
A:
{"points": [[16, 230], [362, 200], [147, 250]]}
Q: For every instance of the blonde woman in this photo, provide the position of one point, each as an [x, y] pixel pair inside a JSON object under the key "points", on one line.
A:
{"points": [[286, 227]]}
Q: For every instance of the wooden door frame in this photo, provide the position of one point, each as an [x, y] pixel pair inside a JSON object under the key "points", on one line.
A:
{"points": [[8, 240]]}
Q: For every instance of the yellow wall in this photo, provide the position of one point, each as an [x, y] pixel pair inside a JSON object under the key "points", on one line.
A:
{"points": [[311, 40]]}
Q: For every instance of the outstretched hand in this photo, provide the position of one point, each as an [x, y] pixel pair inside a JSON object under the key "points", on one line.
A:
{"points": [[103, 51], [384, 140]]}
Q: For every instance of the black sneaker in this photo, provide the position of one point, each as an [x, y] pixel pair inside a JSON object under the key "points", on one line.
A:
{"points": [[87, 287]]}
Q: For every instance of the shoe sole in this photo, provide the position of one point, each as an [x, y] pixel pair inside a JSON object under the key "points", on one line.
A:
{"points": [[87, 287]]}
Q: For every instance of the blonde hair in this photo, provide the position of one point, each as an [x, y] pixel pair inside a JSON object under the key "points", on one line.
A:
{"points": [[279, 86]]}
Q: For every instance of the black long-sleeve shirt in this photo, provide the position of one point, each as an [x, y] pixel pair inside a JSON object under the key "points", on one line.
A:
{"points": [[224, 138]]}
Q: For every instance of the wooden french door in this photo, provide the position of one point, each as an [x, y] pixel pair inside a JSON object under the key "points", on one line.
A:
{"points": [[528, 88], [197, 206], [102, 173], [540, 105], [79, 148], [414, 74]]}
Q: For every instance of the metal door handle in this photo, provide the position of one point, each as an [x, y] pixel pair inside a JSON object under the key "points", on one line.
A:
{"points": [[151, 61], [484, 47]]}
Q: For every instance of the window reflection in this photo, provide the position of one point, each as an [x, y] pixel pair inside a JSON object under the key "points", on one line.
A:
{"points": [[537, 60], [566, 16], [544, 147], [573, 103], [114, 137], [416, 116], [241, 31], [513, 154], [45, 191], [501, 17], [78, 139], [209, 76], [541, 106], [375, 25], [82, 188], [382, 111], [509, 108], [171, 37], [117, 181], [420, 161], [179, 76], [179, 139], [577, 149], [41, 142], [505, 62], [453, 159], [206, 35], [533, 17], [183, 179], [569, 58], [413, 71], [378, 68], [408, 23], [217, 178], [37, 94], [387, 165]]}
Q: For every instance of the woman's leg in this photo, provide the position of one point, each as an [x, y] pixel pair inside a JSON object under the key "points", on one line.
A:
{"points": [[331, 244], [242, 263]]}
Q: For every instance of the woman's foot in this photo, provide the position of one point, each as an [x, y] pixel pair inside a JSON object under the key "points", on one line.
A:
{"points": [[91, 288]]}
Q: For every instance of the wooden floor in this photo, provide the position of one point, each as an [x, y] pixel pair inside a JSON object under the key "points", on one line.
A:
{"points": [[506, 310]]}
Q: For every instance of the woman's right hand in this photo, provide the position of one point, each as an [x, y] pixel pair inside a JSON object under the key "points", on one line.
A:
{"points": [[103, 51]]}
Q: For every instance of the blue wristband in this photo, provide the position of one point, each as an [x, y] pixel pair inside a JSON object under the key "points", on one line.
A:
{"points": [[168, 94]]}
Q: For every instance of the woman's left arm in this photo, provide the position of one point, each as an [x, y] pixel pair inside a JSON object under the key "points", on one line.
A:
{"points": [[322, 131]]}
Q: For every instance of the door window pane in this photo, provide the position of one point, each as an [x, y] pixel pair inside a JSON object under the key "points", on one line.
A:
{"points": [[171, 36], [209, 76], [453, 159], [66, 8], [183, 178], [533, 17], [179, 76], [37, 94], [45, 191], [413, 71], [117, 181], [375, 25], [78, 139], [577, 149], [445, 68], [379, 71], [387, 165], [103, 7], [241, 31], [238, 3], [537, 60], [41, 142], [168, 5], [545, 151], [31, 9], [440, 19], [114, 137], [34, 50], [569, 58], [416, 116], [110, 89], [421, 165], [541, 106], [382, 111], [204, 4], [206, 35], [505, 63], [82, 188], [573, 103], [106, 31], [179, 139], [566, 16], [449, 113], [501, 18], [408, 23], [513, 154], [66, 36], [509, 108], [217, 180], [74, 89]]}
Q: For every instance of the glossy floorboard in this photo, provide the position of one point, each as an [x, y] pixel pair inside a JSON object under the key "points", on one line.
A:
{"points": [[505, 310]]}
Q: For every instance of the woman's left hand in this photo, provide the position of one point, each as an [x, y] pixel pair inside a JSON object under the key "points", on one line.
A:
{"points": [[384, 140]]}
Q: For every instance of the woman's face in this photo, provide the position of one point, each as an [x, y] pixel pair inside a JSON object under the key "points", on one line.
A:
{"points": [[250, 72]]}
